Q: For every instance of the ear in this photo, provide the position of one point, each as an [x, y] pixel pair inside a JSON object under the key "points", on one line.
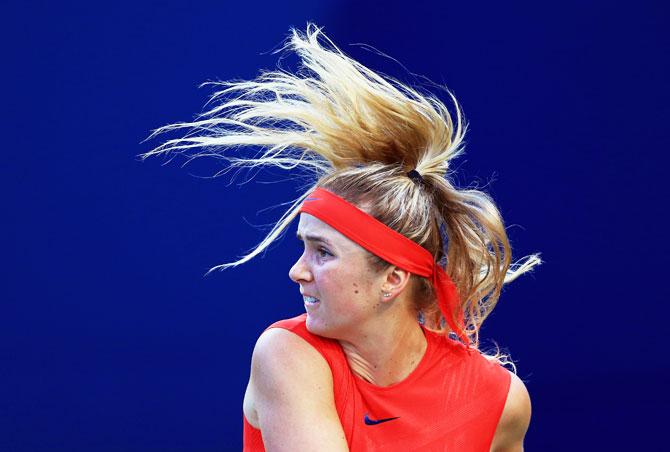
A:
{"points": [[395, 281]]}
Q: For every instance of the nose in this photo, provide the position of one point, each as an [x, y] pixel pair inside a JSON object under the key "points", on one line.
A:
{"points": [[300, 271]]}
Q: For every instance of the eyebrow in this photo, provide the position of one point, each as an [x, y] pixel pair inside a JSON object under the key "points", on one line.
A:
{"points": [[314, 238]]}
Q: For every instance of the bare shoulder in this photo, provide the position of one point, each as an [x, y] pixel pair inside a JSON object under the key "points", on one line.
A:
{"points": [[515, 418], [280, 354], [291, 393]]}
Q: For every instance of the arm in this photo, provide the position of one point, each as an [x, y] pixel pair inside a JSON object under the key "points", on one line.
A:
{"points": [[293, 395], [514, 420]]}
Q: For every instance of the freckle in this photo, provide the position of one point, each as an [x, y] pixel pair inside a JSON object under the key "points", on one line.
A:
{"points": [[355, 291], [355, 285]]}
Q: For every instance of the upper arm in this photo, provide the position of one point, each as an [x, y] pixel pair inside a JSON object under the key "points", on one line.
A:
{"points": [[293, 395], [514, 420]]}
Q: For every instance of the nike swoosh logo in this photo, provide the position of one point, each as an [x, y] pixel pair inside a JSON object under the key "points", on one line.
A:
{"points": [[369, 421]]}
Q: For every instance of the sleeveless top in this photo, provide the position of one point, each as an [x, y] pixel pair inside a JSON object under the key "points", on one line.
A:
{"points": [[452, 401]]}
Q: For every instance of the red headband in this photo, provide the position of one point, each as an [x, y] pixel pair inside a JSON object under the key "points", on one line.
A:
{"points": [[393, 247]]}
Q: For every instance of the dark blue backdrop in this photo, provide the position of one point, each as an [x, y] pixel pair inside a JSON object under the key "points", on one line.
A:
{"points": [[110, 337]]}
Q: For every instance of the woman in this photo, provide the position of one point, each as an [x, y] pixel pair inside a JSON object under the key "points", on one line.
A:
{"points": [[398, 273]]}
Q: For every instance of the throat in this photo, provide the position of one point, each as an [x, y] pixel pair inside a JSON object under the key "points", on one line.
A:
{"points": [[358, 365], [386, 365]]}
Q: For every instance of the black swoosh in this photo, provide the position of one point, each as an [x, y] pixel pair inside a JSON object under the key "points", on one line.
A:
{"points": [[369, 421]]}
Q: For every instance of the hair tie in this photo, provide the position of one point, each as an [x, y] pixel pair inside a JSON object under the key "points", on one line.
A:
{"points": [[415, 176]]}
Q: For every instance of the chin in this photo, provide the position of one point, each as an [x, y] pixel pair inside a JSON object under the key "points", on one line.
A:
{"points": [[316, 326], [313, 325]]}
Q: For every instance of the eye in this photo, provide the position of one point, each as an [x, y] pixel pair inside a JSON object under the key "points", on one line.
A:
{"points": [[324, 252]]}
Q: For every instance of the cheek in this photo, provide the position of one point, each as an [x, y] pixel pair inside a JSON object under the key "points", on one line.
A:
{"points": [[352, 285], [352, 292], [345, 285], [337, 285], [360, 289]]}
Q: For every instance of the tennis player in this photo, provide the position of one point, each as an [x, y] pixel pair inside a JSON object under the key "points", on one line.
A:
{"points": [[400, 267]]}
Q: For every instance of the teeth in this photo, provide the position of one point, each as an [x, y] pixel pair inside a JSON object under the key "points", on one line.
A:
{"points": [[310, 300]]}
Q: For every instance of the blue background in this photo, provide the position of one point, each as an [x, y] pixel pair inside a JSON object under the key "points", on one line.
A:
{"points": [[110, 337]]}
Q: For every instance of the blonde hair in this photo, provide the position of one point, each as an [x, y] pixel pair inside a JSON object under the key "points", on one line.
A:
{"points": [[358, 133]]}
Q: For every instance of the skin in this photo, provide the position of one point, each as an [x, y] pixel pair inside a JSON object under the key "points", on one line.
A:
{"points": [[380, 336]]}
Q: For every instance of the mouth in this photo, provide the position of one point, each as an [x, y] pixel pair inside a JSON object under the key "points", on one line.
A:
{"points": [[310, 301]]}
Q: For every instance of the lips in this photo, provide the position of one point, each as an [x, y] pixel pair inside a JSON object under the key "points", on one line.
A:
{"points": [[309, 300]]}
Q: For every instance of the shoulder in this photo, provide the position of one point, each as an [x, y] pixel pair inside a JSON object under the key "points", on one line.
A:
{"points": [[291, 385], [328, 348], [283, 349], [290, 324], [515, 418], [287, 348], [280, 359]]}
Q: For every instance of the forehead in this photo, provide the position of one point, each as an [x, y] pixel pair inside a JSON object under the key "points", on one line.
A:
{"points": [[310, 226]]}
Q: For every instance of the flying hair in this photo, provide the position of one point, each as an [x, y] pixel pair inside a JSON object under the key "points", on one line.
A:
{"points": [[357, 133]]}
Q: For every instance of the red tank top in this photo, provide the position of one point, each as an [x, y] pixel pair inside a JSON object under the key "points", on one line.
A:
{"points": [[452, 401]]}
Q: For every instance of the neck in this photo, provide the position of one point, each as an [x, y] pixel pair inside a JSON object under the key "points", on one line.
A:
{"points": [[388, 354]]}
